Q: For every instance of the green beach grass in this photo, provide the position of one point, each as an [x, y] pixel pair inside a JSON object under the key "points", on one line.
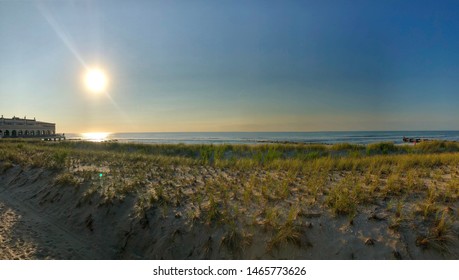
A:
{"points": [[276, 188]]}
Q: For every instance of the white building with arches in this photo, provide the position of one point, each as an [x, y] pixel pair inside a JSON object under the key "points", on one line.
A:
{"points": [[17, 127]]}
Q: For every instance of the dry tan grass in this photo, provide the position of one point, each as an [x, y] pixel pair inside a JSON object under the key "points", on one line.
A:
{"points": [[268, 185]]}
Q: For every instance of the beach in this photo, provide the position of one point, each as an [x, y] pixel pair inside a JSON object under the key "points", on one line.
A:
{"points": [[82, 200]]}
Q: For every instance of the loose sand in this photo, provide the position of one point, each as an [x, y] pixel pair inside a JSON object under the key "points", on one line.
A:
{"points": [[28, 230], [39, 220]]}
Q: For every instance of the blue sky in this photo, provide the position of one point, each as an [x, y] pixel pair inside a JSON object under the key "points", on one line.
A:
{"points": [[233, 65]]}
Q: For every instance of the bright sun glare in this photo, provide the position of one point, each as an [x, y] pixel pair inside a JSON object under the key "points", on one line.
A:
{"points": [[95, 80], [95, 136]]}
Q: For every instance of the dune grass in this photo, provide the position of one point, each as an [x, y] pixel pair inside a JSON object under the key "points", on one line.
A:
{"points": [[269, 186]]}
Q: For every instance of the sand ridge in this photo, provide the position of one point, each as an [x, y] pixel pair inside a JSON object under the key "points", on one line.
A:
{"points": [[43, 221], [130, 201]]}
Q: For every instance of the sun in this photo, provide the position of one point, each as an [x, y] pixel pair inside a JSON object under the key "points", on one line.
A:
{"points": [[95, 80]]}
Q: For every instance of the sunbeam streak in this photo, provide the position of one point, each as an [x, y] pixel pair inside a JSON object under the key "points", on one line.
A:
{"points": [[65, 38], [95, 80]]}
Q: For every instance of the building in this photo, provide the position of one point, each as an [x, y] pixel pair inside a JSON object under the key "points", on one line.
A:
{"points": [[17, 127]]}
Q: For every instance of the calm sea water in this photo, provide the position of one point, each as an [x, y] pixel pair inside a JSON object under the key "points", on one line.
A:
{"points": [[356, 137]]}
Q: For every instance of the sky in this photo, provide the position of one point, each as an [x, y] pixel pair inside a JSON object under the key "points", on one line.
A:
{"points": [[232, 65]]}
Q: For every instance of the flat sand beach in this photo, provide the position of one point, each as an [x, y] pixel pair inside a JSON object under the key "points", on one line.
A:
{"points": [[81, 200]]}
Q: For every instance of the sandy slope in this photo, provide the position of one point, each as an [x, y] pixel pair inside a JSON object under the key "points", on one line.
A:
{"points": [[28, 232], [39, 220]]}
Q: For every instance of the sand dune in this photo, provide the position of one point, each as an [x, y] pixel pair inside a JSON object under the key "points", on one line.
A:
{"points": [[40, 220]]}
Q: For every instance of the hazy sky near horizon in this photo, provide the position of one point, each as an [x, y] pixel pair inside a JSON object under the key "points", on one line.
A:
{"points": [[233, 65]]}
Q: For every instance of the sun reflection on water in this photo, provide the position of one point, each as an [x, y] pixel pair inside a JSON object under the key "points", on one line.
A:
{"points": [[95, 136]]}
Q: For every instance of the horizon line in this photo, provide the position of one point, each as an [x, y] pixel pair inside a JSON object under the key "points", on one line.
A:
{"points": [[315, 131]]}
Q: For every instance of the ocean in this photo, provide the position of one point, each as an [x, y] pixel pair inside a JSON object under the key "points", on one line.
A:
{"points": [[355, 137]]}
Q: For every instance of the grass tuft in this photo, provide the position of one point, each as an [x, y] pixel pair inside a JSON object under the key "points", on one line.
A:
{"points": [[66, 179], [288, 233]]}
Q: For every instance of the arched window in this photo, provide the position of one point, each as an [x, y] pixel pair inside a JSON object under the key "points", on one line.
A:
{"points": [[26, 133], [14, 133], [20, 133], [38, 132], [7, 133]]}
